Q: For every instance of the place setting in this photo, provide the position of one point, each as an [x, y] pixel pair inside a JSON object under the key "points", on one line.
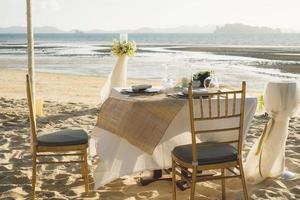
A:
{"points": [[140, 90], [202, 82]]}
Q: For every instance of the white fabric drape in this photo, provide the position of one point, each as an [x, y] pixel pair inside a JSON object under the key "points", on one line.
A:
{"points": [[118, 157], [266, 158], [117, 78]]}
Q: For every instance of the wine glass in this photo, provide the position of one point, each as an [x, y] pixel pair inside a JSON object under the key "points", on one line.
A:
{"points": [[167, 80], [186, 75], [211, 82]]}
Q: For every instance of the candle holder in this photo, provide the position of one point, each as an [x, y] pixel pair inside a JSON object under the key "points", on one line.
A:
{"points": [[123, 37]]}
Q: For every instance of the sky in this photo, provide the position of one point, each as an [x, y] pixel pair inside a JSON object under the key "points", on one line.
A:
{"points": [[132, 14]]}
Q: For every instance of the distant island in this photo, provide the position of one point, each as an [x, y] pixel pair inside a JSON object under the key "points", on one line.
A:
{"points": [[224, 29], [22, 29], [179, 29], [245, 29]]}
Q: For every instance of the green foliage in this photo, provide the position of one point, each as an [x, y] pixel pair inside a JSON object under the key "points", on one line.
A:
{"points": [[201, 76]]}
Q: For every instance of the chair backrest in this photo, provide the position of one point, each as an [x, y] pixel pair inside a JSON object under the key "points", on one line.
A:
{"points": [[210, 109], [31, 111]]}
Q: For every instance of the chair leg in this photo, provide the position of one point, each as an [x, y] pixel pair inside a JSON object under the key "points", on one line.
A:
{"points": [[243, 181], [86, 172], [223, 171], [33, 175], [82, 165], [193, 183], [174, 180]]}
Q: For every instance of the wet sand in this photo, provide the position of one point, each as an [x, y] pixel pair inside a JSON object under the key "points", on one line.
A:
{"points": [[271, 53]]}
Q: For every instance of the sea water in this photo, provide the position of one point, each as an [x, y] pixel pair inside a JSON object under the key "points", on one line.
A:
{"points": [[89, 54]]}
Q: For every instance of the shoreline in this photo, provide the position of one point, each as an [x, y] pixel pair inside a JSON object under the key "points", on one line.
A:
{"points": [[284, 58]]}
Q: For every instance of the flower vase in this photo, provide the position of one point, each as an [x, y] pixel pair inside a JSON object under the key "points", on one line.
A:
{"points": [[119, 73], [117, 77]]}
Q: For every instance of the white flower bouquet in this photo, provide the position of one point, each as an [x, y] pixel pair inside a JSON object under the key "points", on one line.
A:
{"points": [[123, 48]]}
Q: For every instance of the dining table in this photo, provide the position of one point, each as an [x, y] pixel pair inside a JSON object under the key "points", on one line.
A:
{"points": [[136, 132]]}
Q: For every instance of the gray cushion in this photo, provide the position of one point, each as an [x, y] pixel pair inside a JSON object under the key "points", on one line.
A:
{"points": [[208, 153], [63, 138]]}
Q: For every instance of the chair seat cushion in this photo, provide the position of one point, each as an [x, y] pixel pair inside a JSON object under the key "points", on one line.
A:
{"points": [[63, 138], [208, 153]]}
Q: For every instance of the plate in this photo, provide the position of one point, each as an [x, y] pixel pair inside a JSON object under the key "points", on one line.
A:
{"points": [[149, 90], [195, 91]]}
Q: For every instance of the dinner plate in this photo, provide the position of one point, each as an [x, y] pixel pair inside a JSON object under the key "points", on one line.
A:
{"points": [[149, 90], [185, 91]]}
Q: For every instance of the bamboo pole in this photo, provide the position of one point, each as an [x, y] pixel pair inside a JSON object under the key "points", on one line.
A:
{"points": [[30, 49]]}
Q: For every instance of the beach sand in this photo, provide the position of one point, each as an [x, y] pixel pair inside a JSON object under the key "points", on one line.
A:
{"points": [[57, 87], [72, 101]]}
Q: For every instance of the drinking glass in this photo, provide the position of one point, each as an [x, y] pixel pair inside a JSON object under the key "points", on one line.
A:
{"points": [[211, 82]]}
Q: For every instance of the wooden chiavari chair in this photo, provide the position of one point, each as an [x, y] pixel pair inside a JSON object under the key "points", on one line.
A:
{"points": [[189, 161], [60, 143]]}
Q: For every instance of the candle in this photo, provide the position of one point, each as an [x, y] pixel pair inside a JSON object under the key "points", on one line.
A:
{"points": [[123, 37]]}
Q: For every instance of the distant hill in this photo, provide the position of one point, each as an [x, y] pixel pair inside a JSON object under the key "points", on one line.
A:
{"points": [[179, 29], [13, 29], [22, 29], [245, 29], [227, 28]]}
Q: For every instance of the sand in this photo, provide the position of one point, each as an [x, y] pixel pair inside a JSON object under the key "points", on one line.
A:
{"points": [[57, 87], [71, 101]]}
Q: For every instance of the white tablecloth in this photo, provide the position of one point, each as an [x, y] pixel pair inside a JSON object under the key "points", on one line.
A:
{"points": [[119, 158]]}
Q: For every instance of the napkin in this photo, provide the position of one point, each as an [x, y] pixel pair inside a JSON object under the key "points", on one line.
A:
{"points": [[140, 87]]}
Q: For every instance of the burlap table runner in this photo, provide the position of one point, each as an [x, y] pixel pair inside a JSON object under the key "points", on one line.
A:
{"points": [[141, 121]]}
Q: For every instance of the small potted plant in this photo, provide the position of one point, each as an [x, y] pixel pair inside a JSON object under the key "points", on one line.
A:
{"points": [[199, 77]]}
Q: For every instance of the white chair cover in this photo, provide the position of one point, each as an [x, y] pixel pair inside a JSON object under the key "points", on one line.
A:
{"points": [[117, 78], [266, 158]]}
